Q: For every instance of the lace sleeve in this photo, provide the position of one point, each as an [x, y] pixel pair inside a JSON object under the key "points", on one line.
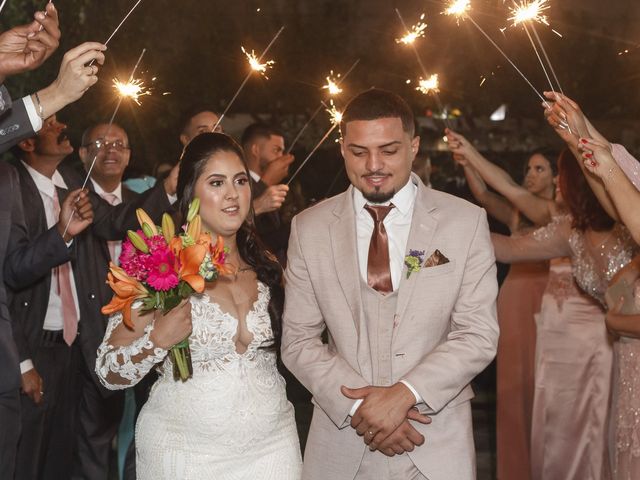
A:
{"points": [[120, 367], [545, 243]]}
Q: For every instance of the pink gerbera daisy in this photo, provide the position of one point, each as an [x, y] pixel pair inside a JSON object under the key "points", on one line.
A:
{"points": [[162, 275]]}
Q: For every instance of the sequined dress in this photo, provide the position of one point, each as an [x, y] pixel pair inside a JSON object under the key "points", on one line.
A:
{"points": [[574, 352], [626, 408], [230, 421]]}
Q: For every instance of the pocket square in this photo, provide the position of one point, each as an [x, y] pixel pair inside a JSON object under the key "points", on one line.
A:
{"points": [[436, 258]]}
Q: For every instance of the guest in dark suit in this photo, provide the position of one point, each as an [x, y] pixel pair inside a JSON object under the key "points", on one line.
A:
{"points": [[57, 321], [100, 410], [268, 166], [24, 262]]}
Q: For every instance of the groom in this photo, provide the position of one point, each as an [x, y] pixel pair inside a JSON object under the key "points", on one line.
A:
{"points": [[403, 278]]}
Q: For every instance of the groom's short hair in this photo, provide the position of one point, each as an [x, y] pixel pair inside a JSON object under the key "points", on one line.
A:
{"points": [[377, 103]]}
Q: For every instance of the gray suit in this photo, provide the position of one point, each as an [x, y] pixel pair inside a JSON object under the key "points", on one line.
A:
{"points": [[14, 121], [438, 334]]}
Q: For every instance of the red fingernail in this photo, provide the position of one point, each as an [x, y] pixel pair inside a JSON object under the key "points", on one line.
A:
{"points": [[593, 164], [588, 155], [584, 140]]}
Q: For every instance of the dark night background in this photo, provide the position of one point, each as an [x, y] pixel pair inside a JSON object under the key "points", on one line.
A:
{"points": [[193, 50]]}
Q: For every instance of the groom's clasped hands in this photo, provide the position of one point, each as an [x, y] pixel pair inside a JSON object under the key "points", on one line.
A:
{"points": [[382, 418]]}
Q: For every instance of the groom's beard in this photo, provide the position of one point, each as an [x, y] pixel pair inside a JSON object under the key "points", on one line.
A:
{"points": [[377, 196]]}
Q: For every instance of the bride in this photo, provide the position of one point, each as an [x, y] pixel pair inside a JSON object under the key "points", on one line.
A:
{"points": [[231, 420]]}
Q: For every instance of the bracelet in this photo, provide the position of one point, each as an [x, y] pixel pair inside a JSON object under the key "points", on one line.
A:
{"points": [[39, 104]]}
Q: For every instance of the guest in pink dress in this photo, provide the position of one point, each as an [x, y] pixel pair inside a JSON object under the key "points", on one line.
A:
{"points": [[573, 379], [616, 183], [519, 208]]}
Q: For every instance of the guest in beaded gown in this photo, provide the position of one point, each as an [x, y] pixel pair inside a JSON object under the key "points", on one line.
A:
{"points": [[615, 180], [231, 420], [520, 208], [573, 381]]}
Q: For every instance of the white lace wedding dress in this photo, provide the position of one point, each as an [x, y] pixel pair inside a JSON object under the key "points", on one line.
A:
{"points": [[231, 420]]}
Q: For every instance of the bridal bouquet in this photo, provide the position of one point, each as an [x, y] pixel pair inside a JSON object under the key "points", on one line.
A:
{"points": [[160, 268]]}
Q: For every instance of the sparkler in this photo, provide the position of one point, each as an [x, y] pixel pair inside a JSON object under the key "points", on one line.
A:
{"points": [[333, 87], [414, 33], [428, 84], [113, 116], [460, 8], [2, 5], [256, 66], [336, 117], [134, 89], [529, 13], [119, 25]]}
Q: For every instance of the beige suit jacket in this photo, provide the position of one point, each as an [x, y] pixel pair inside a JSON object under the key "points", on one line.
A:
{"points": [[446, 330]]}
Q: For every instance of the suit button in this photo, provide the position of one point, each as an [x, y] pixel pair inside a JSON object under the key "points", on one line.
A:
{"points": [[92, 296], [25, 304]]}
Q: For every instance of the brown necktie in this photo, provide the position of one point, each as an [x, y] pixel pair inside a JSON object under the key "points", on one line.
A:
{"points": [[63, 278], [378, 269]]}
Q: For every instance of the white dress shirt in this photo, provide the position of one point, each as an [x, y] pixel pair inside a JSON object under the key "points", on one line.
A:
{"points": [[53, 319], [34, 118], [117, 245], [398, 225]]}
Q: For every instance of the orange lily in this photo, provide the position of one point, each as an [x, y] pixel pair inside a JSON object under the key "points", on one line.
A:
{"points": [[126, 291], [217, 257], [190, 260]]}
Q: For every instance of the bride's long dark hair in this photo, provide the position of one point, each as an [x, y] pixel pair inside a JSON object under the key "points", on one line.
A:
{"points": [[251, 249]]}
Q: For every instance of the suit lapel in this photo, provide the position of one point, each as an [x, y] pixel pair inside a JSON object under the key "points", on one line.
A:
{"points": [[423, 228], [344, 250]]}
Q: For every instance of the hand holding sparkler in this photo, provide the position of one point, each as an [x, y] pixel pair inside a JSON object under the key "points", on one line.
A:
{"points": [[26, 47], [74, 79], [567, 119], [76, 212]]}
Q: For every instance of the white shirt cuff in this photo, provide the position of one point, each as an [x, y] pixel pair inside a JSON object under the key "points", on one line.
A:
{"points": [[172, 198], [413, 390], [34, 118], [355, 407], [26, 365]]}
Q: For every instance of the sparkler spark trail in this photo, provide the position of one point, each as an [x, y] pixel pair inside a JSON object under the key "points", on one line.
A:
{"points": [[335, 117], [322, 104], [529, 12], [2, 5], [255, 64], [428, 85], [246, 79], [414, 33], [106, 133], [133, 89]]}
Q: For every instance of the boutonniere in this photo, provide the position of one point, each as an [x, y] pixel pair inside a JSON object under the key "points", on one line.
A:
{"points": [[413, 261]]}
